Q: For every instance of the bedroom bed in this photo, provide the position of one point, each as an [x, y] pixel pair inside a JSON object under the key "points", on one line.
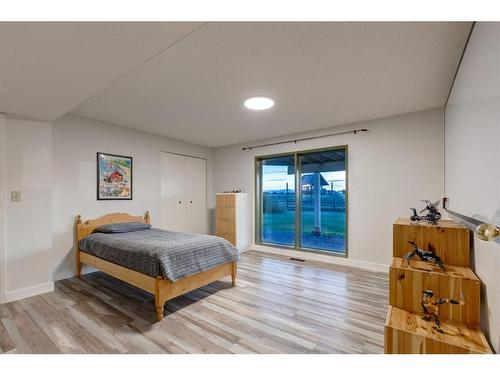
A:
{"points": [[166, 264]]}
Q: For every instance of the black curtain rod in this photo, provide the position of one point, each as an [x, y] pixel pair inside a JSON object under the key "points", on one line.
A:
{"points": [[304, 139]]}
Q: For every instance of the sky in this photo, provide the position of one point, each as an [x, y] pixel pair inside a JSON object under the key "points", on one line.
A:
{"points": [[275, 177]]}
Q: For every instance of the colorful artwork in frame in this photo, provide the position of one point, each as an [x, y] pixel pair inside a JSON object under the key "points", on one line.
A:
{"points": [[114, 177]]}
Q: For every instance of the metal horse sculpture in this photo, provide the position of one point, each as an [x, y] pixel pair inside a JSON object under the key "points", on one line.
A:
{"points": [[430, 307], [432, 215], [423, 255]]}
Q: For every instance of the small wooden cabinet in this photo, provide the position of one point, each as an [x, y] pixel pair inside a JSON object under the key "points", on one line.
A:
{"points": [[450, 240], [233, 219], [407, 333], [405, 330], [407, 282]]}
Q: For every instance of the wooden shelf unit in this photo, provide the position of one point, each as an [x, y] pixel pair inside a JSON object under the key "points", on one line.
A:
{"points": [[405, 330], [450, 240], [407, 333], [407, 283]]}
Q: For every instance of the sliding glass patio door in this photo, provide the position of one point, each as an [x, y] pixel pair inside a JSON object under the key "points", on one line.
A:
{"points": [[323, 200], [302, 200], [278, 201]]}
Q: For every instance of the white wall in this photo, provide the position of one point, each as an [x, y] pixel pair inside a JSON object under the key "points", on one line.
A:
{"points": [[391, 168], [28, 227], [472, 158], [76, 140]]}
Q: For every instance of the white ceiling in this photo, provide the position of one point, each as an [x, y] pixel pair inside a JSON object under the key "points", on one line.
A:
{"points": [[47, 69], [319, 74]]}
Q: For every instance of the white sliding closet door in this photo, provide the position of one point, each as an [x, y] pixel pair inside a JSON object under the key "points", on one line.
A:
{"points": [[173, 192], [183, 193], [196, 195]]}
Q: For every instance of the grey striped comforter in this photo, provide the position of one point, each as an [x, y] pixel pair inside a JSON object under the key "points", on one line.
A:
{"points": [[158, 252]]}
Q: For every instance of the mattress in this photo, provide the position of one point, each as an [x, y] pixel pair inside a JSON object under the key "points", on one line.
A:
{"points": [[157, 252]]}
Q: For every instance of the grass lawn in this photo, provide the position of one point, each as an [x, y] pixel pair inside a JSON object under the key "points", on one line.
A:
{"points": [[331, 222], [280, 228]]}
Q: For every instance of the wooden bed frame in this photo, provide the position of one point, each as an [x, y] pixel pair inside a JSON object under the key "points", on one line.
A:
{"points": [[162, 289]]}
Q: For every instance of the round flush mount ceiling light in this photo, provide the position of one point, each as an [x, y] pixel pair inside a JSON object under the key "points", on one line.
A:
{"points": [[259, 103]]}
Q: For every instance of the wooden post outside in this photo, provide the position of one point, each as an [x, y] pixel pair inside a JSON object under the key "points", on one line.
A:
{"points": [[317, 203], [286, 196]]}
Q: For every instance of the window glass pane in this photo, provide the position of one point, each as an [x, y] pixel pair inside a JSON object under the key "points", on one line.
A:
{"points": [[319, 222], [278, 201], [323, 204]]}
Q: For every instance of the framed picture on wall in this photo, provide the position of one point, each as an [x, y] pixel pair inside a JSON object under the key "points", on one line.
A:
{"points": [[114, 177]]}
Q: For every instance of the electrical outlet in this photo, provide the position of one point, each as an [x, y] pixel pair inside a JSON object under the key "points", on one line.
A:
{"points": [[15, 196]]}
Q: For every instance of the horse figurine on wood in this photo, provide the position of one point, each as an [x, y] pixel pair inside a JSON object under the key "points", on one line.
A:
{"points": [[432, 216], [430, 307], [423, 255]]}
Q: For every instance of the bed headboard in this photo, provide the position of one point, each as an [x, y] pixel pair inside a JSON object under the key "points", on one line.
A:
{"points": [[83, 229]]}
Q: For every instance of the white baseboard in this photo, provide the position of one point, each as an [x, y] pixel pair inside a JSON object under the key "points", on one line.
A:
{"points": [[29, 292], [68, 274], [369, 266]]}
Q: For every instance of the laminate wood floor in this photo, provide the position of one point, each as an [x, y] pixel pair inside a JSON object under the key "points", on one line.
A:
{"points": [[278, 306]]}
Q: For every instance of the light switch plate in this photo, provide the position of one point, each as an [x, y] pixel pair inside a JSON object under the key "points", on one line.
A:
{"points": [[15, 196]]}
